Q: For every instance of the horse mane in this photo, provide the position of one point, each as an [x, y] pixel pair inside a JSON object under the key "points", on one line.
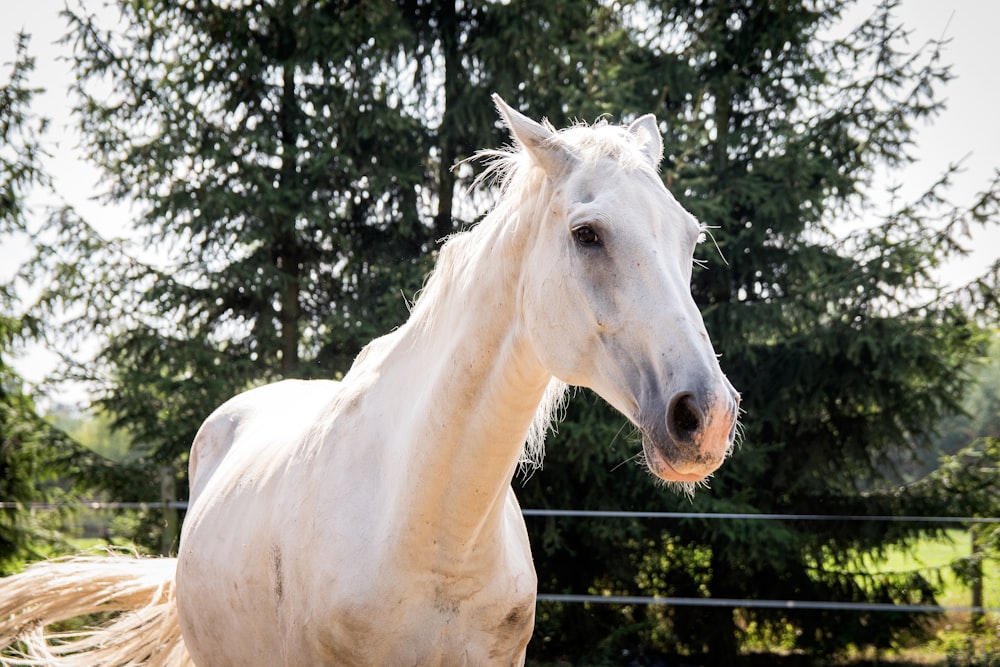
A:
{"points": [[549, 413]]}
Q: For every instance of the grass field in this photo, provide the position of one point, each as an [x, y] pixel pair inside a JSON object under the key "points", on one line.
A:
{"points": [[955, 643], [934, 557]]}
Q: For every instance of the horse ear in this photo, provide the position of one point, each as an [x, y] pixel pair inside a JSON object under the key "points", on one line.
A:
{"points": [[648, 133], [540, 141]]}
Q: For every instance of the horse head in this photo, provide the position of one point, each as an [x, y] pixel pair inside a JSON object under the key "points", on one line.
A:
{"points": [[607, 304]]}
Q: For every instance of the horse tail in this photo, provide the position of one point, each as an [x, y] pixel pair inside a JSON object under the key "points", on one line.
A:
{"points": [[135, 595]]}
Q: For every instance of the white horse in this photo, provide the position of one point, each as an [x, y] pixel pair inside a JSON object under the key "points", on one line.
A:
{"points": [[372, 522]]}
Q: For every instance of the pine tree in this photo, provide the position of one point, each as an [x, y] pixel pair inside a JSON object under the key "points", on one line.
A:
{"points": [[25, 463], [38, 462], [291, 164], [277, 172]]}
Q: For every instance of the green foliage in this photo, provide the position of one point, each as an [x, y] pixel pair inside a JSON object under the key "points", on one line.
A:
{"points": [[965, 650], [39, 462], [285, 222], [31, 462], [19, 148], [95, 432], [28, 466]]}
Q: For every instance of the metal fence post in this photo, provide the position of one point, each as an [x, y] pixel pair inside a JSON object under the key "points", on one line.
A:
{"points": [[978, 617], [171, 522]]}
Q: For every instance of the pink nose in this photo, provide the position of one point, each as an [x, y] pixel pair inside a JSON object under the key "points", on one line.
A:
{"points": [[702, 426]]}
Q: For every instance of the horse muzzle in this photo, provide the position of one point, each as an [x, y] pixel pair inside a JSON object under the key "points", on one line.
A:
{"points": [[696, 435]]}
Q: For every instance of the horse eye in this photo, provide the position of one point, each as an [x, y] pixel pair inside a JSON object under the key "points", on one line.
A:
{"points": [[586, 236]]}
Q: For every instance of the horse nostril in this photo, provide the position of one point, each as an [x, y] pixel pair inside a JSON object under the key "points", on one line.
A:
{"points": [[684, 418]]}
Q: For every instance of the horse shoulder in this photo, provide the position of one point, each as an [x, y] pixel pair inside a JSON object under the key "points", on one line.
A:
{"points": [[285, 400]]}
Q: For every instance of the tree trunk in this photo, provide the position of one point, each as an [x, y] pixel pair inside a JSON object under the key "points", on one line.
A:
{"points": [[720, 632], [171, 522], [287, 258], [447, 135]]}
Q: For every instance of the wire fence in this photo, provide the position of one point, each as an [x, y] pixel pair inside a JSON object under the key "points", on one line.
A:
{"points": [[597, 514], [614, 514], [819, 605]]}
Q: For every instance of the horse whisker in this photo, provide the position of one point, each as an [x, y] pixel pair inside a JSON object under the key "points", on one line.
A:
{"points": [[637, 456]]}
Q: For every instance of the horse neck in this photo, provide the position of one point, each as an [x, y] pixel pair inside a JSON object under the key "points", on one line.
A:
{"points": [[474, 386]]}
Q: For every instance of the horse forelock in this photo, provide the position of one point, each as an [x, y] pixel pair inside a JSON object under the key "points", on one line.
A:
{"points": [[604, 140], [511, 168], [523, 188]]}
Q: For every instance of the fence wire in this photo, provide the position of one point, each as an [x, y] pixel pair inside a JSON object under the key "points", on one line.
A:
{"points": [[764, 604], [819, 605], [597, 514]]}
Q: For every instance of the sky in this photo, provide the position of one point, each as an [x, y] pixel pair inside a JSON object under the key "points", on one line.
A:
{"points": [[967, 132]]}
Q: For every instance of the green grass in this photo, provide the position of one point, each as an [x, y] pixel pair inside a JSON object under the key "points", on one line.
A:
{"points": [[954, 643], [935, 556]]}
